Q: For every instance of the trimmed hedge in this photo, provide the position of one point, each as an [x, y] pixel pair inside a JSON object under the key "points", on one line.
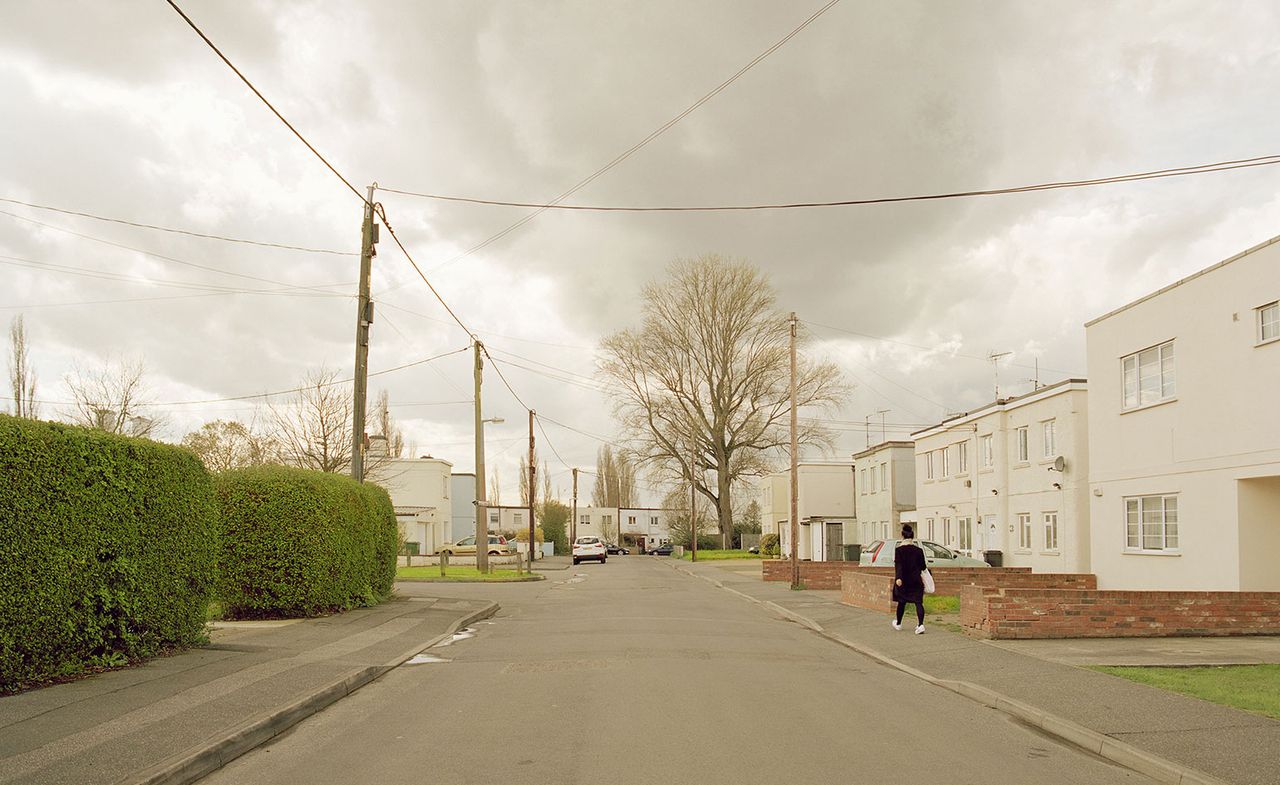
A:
{"points": [[108, 549], [297, 542]]}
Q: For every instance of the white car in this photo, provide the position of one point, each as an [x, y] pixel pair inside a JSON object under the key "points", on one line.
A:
{"points": [[589, 549]]}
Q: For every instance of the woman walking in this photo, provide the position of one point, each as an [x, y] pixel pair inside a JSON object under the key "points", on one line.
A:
{"points": [[908, 586]]}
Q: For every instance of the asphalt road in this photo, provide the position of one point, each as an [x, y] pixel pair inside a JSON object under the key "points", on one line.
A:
{"points": [[630, 672]]}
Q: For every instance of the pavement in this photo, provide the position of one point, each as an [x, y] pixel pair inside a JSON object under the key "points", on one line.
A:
{"points": [[176, 718], [631, 673], [1169, 736]]}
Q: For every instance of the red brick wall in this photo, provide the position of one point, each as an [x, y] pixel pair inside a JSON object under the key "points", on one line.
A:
{"points": [[1067, 613], [866, 587], [813, 574]]}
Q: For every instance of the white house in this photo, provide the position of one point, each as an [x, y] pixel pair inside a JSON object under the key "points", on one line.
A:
{"points": [[641, 527], [462, 489], [1184, 424], [825, 507], [1012, 477], [420, 491], [885, 484]]}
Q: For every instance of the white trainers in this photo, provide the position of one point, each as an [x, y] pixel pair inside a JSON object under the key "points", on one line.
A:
{"points": [[897, 626], [920, 630]]}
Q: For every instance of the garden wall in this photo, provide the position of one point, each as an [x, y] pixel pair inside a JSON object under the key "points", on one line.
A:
{"points": [[813, 574], [1065, 613], [872, 587]]}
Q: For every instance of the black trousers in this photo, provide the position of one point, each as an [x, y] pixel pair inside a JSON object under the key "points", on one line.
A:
{"points": [[902, 607]]}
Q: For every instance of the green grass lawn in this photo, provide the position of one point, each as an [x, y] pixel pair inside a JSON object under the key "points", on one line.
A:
{"points": [[718, 555], [1254, 688], [941, 603], [461, 574]]}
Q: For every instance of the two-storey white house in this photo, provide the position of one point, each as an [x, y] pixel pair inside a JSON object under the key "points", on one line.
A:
{"points": [[1011, 476], [639, 527], [885, 487], [420, 492], [825, 505], [1184, 424]]}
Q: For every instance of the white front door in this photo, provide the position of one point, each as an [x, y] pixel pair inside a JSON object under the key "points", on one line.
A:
{"points": [[818, 535], [988, 535]]}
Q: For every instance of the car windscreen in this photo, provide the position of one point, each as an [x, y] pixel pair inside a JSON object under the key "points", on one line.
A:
{"points": [[588, 540]]}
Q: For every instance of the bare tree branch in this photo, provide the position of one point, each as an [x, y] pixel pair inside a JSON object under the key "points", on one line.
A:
{"points": [[22, 379], [112, 398]]}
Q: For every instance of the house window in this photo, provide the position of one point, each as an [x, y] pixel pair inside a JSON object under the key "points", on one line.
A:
{"points": [[966, 533], [988, 452], [884, 477], [1151, 523], [519, 518], [1149, 376], [1022, 445], [1051, 531], [1269, 322], [1024, 531], [962, 457], [584, 519], [863, 484], [873, 480], [946, 461], [928, 465], [928, 527], [446, 487], [606, 522], [1050, 438], [884, 529], [653, 522], [631, 521], [946, 531]]}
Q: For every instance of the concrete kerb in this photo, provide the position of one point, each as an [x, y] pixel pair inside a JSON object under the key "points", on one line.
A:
{"points": [[1114, 750], [189, 767]]}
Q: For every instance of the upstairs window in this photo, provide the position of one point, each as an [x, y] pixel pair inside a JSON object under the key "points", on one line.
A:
{"points": [[884, 476], [1269, 322], [863, 484], [1149, 376], [988, 452], [962, 457], [1050, 438], [946, 461], [1022, 445], [928, 465]]}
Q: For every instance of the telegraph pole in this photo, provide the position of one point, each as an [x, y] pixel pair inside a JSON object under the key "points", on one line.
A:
{"points": [[533, 488], [693, 503], [573, 522], [795, 468], [364, 317], [482, 514]]}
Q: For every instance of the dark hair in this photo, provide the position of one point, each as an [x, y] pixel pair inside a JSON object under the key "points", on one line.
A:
{"points": [[907, 531]]}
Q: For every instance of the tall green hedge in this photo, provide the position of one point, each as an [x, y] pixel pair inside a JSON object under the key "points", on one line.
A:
{"points": [[107, 549], [299, 543]]}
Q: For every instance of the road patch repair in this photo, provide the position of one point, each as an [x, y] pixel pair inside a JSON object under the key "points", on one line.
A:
{"points": [[1166, 736], [176, 719]]}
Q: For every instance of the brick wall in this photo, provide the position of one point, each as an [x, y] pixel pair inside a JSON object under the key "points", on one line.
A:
{"points": [[1075, 613], [868, 588], [813, 574], [871, 587]]}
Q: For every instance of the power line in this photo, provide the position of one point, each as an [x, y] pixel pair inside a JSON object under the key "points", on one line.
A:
{"points": [[171, 230], [119, 301], [383, 214], [484, 333], [264, 100], [624, 155], [497, 367], [163, 257], [1182, 171]]}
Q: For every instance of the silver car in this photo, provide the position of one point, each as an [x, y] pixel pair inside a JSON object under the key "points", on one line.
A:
{"points": [[880, 554]]}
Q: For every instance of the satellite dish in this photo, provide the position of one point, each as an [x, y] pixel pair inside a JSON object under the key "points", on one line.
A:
{"points": [[1059, 464]]}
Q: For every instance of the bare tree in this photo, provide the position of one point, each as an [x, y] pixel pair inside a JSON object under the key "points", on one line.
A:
{"points": [[22, 379], [112, 398], [387, 427], [704, 382], [312, 429], [524, 478], [494, 494], [224, 445], [615, 483], [676, 502]]}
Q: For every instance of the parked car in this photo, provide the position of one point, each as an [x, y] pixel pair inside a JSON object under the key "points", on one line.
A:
{"points": [[467, 546], [753, 549], [589, 549], [880, 554], [661, 550], [616, 550]]}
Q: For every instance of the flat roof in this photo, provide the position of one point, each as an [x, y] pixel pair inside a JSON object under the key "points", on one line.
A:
{"points": [[884, 445], [1182, 281], [1046, 391]]}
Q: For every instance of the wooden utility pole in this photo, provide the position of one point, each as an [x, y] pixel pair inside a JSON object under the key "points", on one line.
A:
{"points": [[795, 468], [573, 521], [693, 502], [364, 317], [482, 513], [533, 488]]}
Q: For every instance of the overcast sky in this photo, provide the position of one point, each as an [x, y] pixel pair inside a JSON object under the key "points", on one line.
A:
{"points": [[118, 109]]}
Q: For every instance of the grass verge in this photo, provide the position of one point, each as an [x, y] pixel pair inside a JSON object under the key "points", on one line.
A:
{"points": [[462, 575], [1253, 688], [719, 555], [941, 603]]}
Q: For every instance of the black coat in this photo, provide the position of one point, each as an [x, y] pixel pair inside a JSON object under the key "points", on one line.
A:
{"points": [[908, 563]]}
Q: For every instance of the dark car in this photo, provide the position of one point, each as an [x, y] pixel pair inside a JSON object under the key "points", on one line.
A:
{"points": [[616, 550], [661, 550]]}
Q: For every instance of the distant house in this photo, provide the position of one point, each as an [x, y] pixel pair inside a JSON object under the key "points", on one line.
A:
{"points": [[1011, 476], [420, 492], [1184, 426], [825, 505], [632, 527], [885, 488]]}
